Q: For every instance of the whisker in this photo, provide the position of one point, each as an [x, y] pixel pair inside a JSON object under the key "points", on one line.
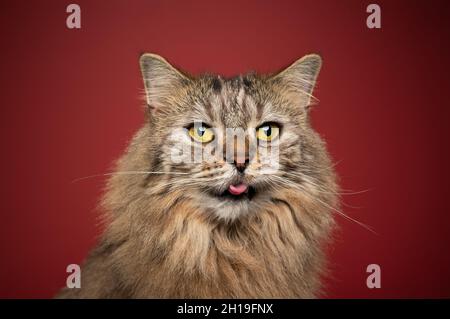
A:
{"points": [[348, 217], [301, 188], [344, 191], [350, 206], [128, 173]]}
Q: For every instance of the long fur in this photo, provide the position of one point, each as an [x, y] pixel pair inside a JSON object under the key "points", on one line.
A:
{"points": [[167, 237]]}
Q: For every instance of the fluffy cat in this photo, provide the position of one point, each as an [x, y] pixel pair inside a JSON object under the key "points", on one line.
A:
{"points": [[229, 227]]}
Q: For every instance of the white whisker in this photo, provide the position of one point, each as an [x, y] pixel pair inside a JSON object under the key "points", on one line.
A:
{"points": [[128, 173], [303, 189]]}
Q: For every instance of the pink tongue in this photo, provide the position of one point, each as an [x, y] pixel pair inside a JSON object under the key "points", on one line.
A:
{"points": [[237, 189]]}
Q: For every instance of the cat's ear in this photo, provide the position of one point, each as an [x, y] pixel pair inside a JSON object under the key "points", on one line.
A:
{"points": [[161, 80], [298, 79]]}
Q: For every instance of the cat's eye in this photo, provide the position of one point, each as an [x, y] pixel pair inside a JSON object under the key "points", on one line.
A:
{"points": [[201, 133], [268, 132]]}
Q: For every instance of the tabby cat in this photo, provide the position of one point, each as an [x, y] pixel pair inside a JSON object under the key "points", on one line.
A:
{"points": [[248, 222]]}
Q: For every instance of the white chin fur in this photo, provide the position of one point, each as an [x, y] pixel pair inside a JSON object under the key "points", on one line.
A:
{"points": [[227, 209]]}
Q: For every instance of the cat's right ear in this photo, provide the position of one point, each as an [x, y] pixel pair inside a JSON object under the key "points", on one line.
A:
{"points": [[298, 80], [161, 80]]}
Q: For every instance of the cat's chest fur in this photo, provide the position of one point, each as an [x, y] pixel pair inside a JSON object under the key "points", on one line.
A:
{"points": [[184, 254]]}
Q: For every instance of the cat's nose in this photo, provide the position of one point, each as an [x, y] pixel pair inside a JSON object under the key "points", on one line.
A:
{"points": [[239, 155], [241, 163]]}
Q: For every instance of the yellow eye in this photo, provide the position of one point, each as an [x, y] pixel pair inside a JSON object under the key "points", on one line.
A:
{"points": [[201, 134], [268, 132]]}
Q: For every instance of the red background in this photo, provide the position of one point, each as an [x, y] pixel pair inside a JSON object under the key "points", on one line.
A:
{"points": [[70, 102]]}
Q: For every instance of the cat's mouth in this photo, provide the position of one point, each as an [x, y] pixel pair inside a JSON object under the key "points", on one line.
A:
{"points": [[240, 191]]}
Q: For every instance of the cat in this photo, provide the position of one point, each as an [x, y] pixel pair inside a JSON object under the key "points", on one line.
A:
{"points": [[229, 227]]}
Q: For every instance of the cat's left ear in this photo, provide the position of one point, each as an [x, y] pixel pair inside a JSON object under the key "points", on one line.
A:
{"points": [[298, 79], [161, 80]]}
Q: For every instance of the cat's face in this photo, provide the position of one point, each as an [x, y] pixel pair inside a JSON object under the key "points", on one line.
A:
{"points": [[231, 144]]}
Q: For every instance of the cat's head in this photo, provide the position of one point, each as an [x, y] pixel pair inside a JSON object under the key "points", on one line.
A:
{"points": [[231, 144]]}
